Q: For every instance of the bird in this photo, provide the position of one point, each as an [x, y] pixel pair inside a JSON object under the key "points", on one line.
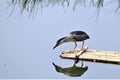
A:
{"points": [[74, 36]]}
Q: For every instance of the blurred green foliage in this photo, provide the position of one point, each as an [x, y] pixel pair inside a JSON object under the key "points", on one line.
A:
{"points": [[33, 5]]}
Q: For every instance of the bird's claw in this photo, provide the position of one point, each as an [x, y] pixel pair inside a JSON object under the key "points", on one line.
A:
{"points": [[72, 51]]}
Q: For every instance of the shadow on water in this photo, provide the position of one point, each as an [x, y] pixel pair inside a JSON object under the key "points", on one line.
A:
{"points": [[73, 71]]}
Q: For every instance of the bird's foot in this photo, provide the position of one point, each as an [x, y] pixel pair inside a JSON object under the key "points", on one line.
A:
{"points": [[82, 49], [71, 51], [77, 50], [74, 50]]}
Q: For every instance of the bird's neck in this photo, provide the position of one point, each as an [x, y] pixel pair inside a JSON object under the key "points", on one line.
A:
{"points": [[67, 39]]}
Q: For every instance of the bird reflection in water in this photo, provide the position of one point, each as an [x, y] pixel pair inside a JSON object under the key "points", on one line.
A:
{"points": [[73, 71]]}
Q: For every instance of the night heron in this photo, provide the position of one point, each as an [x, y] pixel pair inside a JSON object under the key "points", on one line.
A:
{"points": [[75, 36]]}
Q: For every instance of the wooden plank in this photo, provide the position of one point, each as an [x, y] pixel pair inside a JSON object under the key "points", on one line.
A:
{"points": [[111, 57]]}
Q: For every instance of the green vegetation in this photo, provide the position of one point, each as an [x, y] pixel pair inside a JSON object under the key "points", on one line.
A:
{"points": [[34, 5]]}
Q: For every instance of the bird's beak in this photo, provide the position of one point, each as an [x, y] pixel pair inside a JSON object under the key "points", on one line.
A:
{"points": [[54, 46]]}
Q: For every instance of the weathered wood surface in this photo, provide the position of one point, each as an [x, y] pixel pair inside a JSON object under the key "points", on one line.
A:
{"points": [[94, 56]]}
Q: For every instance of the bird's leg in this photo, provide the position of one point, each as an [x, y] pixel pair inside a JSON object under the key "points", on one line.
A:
{"points": [[82, 49], [75, 45], [82, 45], [71, 51]]}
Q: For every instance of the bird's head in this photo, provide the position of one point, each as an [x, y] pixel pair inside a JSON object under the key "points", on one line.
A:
{"points": [[59, 42]]}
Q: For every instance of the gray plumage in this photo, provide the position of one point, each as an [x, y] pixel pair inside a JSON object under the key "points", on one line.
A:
{"points": [[74, 36]]}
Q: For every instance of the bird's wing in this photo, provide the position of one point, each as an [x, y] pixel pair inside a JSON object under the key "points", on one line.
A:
{"points": [[77, 33], [73, 35], [77, 37]]}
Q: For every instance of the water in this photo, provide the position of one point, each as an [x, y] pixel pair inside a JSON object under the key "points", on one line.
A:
{"points": [[26, 44]]}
